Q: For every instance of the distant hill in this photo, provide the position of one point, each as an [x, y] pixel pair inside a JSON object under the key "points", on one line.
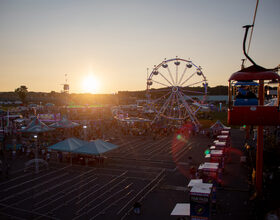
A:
{"points": [[218, 90]]}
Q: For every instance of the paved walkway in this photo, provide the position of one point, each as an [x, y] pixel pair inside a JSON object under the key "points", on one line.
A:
{"points": [[232, 197]]}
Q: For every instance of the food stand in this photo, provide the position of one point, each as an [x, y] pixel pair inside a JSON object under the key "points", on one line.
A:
{"points": [[210, 174], [200, 201], [218, 157], [223, 138], [225, 132], [220, 145]]}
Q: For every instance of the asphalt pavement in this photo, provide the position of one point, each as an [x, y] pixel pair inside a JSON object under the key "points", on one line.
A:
{"points": [[154, 172]]}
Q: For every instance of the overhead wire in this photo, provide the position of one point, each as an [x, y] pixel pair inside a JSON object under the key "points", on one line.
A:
{"points": [[253, 25]]}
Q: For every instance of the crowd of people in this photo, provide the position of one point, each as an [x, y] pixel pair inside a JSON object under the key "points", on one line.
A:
{"points": [[16, 144]]}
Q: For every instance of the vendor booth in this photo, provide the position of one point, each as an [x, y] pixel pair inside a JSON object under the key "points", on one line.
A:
{"points": [[217, 156], [209, 172], [223, 138], [200, 201]]}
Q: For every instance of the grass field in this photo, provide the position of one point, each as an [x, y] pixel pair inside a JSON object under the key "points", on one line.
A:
{"points": [[207, 123]]}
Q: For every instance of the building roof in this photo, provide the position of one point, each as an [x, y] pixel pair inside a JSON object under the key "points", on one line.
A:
{"points": [[254, 72]]}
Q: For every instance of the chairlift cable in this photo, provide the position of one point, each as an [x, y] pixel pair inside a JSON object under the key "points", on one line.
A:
{"points": [[253, 25]]}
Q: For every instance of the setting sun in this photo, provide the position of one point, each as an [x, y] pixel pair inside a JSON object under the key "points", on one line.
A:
{"points": [[90, 84]]}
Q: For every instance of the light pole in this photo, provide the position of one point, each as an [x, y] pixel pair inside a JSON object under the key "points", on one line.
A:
{"points": [[36, 154], [85, 132]]}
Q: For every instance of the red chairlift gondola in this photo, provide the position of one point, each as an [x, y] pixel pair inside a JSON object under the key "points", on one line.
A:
{"points": [[252, 110]]}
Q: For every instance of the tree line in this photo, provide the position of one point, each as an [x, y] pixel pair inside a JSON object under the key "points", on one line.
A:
{"points": [[142, 94], [26, 96]]}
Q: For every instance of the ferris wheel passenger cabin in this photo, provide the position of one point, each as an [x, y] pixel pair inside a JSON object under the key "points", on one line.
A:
{"points": [[248, 93]]}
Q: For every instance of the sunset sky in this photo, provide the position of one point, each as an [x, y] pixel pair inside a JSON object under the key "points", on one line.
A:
{"points": [[111, 43]]}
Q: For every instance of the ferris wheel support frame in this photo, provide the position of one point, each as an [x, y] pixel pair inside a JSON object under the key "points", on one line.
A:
{"points": [[176, 107]]}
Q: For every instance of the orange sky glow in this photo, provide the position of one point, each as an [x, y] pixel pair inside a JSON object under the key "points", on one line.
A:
{"points": [[107, 46]]}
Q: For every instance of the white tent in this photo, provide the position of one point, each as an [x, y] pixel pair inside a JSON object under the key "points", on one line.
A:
{"points": [[217, 127]]}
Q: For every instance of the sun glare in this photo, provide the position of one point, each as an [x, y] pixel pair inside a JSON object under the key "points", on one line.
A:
{"points": [[90, 84]]}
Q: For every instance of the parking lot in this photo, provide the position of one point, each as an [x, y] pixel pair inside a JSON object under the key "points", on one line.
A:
{"points": [[153, 172]]}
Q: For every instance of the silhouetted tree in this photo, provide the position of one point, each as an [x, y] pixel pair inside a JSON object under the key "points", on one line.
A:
{"points": [[52, 93], [22, 93]]}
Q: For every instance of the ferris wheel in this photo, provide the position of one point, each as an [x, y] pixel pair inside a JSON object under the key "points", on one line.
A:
{"points": [[176, 90]]}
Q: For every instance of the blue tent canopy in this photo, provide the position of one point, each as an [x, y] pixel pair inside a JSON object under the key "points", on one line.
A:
{"points": [[96, 147], [50, 104], [13, 146], [77, 146], [64, 123], [68, 145]]}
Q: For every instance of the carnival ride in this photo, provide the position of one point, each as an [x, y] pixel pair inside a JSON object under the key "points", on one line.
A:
{"points": [[247, 107], [173, 87]]}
